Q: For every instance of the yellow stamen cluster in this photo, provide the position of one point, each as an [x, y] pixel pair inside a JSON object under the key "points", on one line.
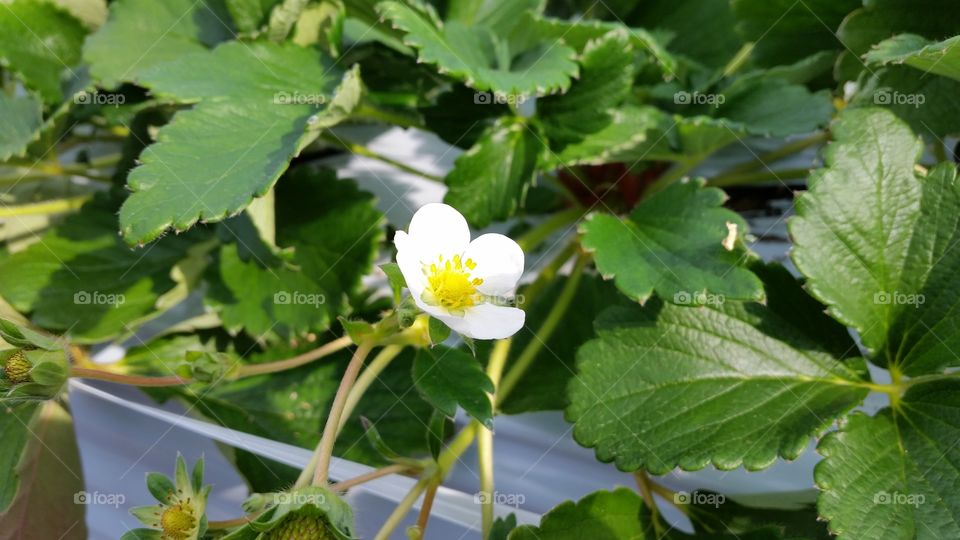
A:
{"points": [[17, 368], [450, 286], [178, 521]]}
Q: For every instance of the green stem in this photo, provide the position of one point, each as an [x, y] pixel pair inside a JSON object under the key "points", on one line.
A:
{"points": [[498, 359], [769, 158], [535, 236], [676, 173], [282, 365], [548, 273], [345, 485], [55, 206], [133, 380], [374, 369], [646, 491], [361, 150], [425, 508], [738, 59], [760, 176], [940, 152], [403, 509], [529, 353], [325, 448], [371, 112], [244, 371]]}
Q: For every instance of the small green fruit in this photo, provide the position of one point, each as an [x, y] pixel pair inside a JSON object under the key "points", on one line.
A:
{"points": [[17, 368], [301, 528]]}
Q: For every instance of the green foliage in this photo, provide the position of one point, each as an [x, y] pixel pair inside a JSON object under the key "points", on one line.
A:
{"points": [[674, 244], [580, 128], [451, 377], [884, 269], [714, 385], [41, 43]]}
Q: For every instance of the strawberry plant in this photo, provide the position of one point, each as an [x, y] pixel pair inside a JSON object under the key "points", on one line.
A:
{"points": [[173, 186]]}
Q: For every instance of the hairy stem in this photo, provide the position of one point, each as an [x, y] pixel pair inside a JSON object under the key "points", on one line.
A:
{"points": [[133, 380], [325, 448], [55, 206], [529, 353], [498, 359], [361, 150], [302, 359], [759, 176], [374, 369], [535, 236], [764, 160], [372, 475], [425, 509], [244, 371]]}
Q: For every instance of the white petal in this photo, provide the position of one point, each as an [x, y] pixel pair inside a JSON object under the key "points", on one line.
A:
{"points": [[499, 264], [408, 259], [438, 229], [486, 321]]}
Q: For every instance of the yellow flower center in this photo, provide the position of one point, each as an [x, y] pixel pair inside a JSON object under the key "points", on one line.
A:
{"points": [[450, 286], [177, 522], [17, 369]]}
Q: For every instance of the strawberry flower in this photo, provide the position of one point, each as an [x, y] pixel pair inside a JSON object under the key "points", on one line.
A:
{"points": [[467, 285]]}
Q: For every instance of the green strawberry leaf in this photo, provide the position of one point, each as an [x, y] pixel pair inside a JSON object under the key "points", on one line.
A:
{"points": [[490, 180], [730, 384], [633, 134], [678, 243], [22, 118], [896, 474], [704, 31], [449, 377], [884, 265], [930, 104], [329, 233], [606, 77], [80, 278], [941, 58], [774, 107], [41, 495], [602, 515], [785, 31], [258, 105], [578, 33], [41, 43], [481, 58], [250, 15], [152, 33]]}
